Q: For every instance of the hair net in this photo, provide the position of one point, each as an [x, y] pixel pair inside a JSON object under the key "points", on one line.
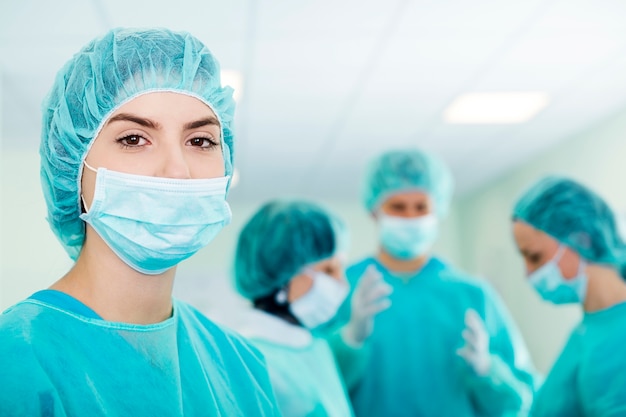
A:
{"points": [[575, 216], [104, 75], [405, 170], [279, 240]]}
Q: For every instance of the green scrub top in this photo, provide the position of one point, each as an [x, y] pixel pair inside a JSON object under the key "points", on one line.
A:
{"points": [[57, 362], [412, 368], [589, 377], [302, 367]]}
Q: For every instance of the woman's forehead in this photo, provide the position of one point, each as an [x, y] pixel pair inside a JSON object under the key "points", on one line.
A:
{"points": [[172, 101], [528, 236]]}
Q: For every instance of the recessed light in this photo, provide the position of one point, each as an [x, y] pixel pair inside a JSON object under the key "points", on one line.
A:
{"points": [[495, 107]]}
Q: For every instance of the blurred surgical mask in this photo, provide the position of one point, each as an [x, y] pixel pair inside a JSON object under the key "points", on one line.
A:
{"points": [[153, 223], [552, 286], [321, 303], [407, 238]]}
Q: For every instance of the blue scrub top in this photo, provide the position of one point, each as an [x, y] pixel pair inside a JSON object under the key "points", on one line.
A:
{"points": [[411, 365], [302, 368], [64, 301], [57, 361], [589, 377]]}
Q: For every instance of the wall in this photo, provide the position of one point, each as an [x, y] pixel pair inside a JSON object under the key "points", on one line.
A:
{"points": [[30, 256]]}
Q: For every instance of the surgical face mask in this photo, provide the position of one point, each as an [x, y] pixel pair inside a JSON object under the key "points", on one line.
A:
{"points": [[153, 223], [552, 286], [321, 303], [407, 238]]}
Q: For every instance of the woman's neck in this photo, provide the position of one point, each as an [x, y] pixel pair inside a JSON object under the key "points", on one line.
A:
{"points": [[115, 291], [605, 288], [401, 265]]}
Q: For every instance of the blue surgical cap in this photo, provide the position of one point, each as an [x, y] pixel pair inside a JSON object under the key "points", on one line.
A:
{"points": [[408, 170], [279, 240], [104, 75], [575, 216]]}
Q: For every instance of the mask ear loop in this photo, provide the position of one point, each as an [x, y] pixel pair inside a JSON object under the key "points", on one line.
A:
{"points": [[90, 167], [582, 264], [559, 254], [281, 296], [82, 198]]}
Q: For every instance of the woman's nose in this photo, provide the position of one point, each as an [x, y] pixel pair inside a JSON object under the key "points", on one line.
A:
{"points": [[174, 164]]}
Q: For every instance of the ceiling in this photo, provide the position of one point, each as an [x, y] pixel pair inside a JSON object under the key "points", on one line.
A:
{"points": [[328, 84]]}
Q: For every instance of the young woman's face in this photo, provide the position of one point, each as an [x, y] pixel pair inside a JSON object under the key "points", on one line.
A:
{"points": [[408, 204], [162, 134], [302, 283], [537, 248]]}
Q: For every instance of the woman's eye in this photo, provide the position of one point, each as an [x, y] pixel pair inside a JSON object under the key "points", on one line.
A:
{"points": [[203, 142], [132, 140]]}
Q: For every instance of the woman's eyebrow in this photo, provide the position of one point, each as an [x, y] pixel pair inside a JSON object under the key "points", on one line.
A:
{"points": [[127, 117], [202, 122]]}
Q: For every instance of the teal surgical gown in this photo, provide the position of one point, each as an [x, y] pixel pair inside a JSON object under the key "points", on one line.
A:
{"points": [[56, 362], [412, 368], [302, 367], [589, 377]]}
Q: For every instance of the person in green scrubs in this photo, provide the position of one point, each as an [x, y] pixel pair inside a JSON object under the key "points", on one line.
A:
{"points": [[447, 346], [568, 237], [290, 263], [135, 167]]}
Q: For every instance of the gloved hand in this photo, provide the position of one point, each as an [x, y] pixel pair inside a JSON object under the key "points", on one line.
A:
{"points": [[476, 348], [370, 297]]}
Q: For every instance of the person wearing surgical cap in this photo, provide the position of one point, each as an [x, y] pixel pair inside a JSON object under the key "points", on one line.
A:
{"points": [[289, 263], [447, 345], [574, 254], [136, 158]]}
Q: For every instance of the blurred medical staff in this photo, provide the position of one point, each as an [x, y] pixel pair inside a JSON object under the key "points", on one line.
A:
{"points": [[447, 346], [573, 253], [289, 262], [135, 167]]}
